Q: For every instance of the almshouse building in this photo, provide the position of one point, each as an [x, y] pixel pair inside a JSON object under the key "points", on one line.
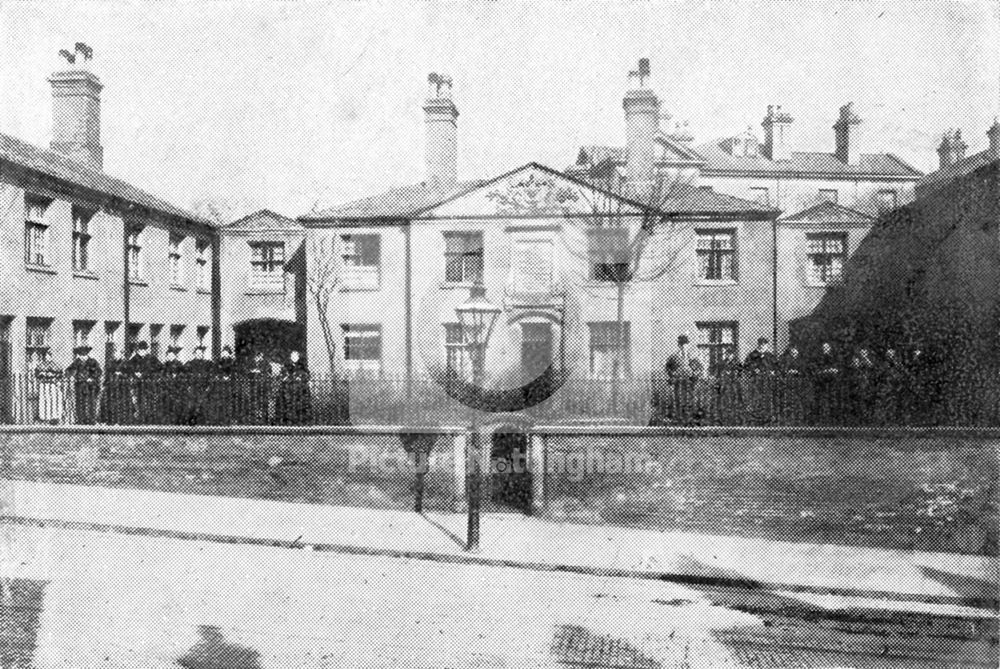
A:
{"points": [[93, 259], [829, 199], [547, 246]]}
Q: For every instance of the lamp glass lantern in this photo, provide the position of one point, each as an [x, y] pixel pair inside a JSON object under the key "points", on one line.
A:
{"points": [[477, 316]]}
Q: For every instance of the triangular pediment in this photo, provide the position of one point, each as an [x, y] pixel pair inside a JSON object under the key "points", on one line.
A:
{"points": [[532, 191], [829, 212]]}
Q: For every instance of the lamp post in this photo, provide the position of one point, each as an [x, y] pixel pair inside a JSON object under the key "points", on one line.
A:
{"points": [[477, 316]]}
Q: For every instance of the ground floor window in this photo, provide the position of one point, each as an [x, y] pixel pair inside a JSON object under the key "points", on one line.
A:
{"points": [[715, 339], [362, 347], [603, 345], [37, 340], [81, 332]]}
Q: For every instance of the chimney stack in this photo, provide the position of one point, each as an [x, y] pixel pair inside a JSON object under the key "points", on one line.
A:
{"points": [[642, 122], [440, 115], [848, 150], [952, 148], [777, 133], [76, 108], [994, 134]]}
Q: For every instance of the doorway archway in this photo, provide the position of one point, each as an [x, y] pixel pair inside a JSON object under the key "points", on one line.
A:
{"points": [[510, 476]]}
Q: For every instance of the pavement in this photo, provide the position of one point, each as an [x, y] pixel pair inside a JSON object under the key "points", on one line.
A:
{"points": [[101, 577]]}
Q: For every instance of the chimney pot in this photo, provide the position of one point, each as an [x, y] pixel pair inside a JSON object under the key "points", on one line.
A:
{"points": [[847, 148], [76, 109], [777, 133], [440, 116]]}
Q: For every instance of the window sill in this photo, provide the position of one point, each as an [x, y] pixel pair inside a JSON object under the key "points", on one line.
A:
{"points": [[823, 285], [360, 289], [84, 274], [719, 282], [445, 285], [41, 269], [203, 291], [179, 289], [138, 282]]}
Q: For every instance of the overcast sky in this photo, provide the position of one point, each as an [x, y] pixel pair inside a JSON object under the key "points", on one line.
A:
{"points": [[286, 105]]}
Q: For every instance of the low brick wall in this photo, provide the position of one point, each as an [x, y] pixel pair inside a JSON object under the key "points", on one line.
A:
{"points": [[354, 467], [929, 491]]}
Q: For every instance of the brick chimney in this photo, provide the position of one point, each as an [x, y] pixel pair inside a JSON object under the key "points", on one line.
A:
{"points": [[848, 148], [76, 108], [777, 133], [994, 134], [642, 122], [441, 117], [952, 148]]}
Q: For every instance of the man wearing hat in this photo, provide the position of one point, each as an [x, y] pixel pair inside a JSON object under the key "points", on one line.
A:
{"points": [[145, 371], [224, 388], [684, 371], [761, 367], [200, 373], [174, 388], [86, 375]]}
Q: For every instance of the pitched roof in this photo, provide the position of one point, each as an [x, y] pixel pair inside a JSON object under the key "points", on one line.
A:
{"points": [[703, 200], [958, 169], [265, 219], [717, 159], [395, 203], [57, 166], [830, 212]]}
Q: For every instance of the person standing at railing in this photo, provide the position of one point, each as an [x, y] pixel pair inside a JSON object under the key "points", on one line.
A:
{"points": [[683, 373], [860, 385], [86, 375], [116, 402], [294, 404], [826, 386], [794, 386], [890, 391], [146, 373], [173, 388], [760, 368], [50, 389], [199, 375], [256, 389], [224, 388], [728, 389]]}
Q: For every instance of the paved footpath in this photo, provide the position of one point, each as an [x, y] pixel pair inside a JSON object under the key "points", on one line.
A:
{"points": [[150, 579]]}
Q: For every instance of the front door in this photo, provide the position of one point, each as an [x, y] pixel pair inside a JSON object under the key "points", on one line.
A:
{"points": [[536, 349]]}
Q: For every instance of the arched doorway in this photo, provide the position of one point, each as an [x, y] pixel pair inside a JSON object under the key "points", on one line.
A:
{"points": [[272, 337], [509, 472]]}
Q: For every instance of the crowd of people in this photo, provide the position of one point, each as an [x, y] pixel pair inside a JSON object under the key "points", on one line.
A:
{"points": [[141, 389], [858, 386]]}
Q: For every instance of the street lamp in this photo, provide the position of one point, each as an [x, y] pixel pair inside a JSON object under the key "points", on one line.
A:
{"points": [[477, 316]]}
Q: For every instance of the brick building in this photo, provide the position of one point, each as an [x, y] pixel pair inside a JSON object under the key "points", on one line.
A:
{"points": [[93, 259]]}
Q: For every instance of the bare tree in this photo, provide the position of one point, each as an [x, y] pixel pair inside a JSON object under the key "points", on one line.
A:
{"points": [[323, 279], [630, 235]]}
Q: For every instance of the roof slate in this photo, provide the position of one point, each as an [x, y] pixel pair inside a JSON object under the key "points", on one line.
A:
{"points": [[55, 165], [265, 219], [716, 158], [396, 203]]}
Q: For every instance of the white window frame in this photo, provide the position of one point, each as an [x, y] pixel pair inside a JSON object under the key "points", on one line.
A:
{"points": [[136, 269], [36, 232], [267, 265], [464, 258], [712, 341], [456, 350], [706, 245], [362, 267], [370, 336], [81, 238], [602, 336], [814, 271], [175, 258], [37, 338], [203, 256]]}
